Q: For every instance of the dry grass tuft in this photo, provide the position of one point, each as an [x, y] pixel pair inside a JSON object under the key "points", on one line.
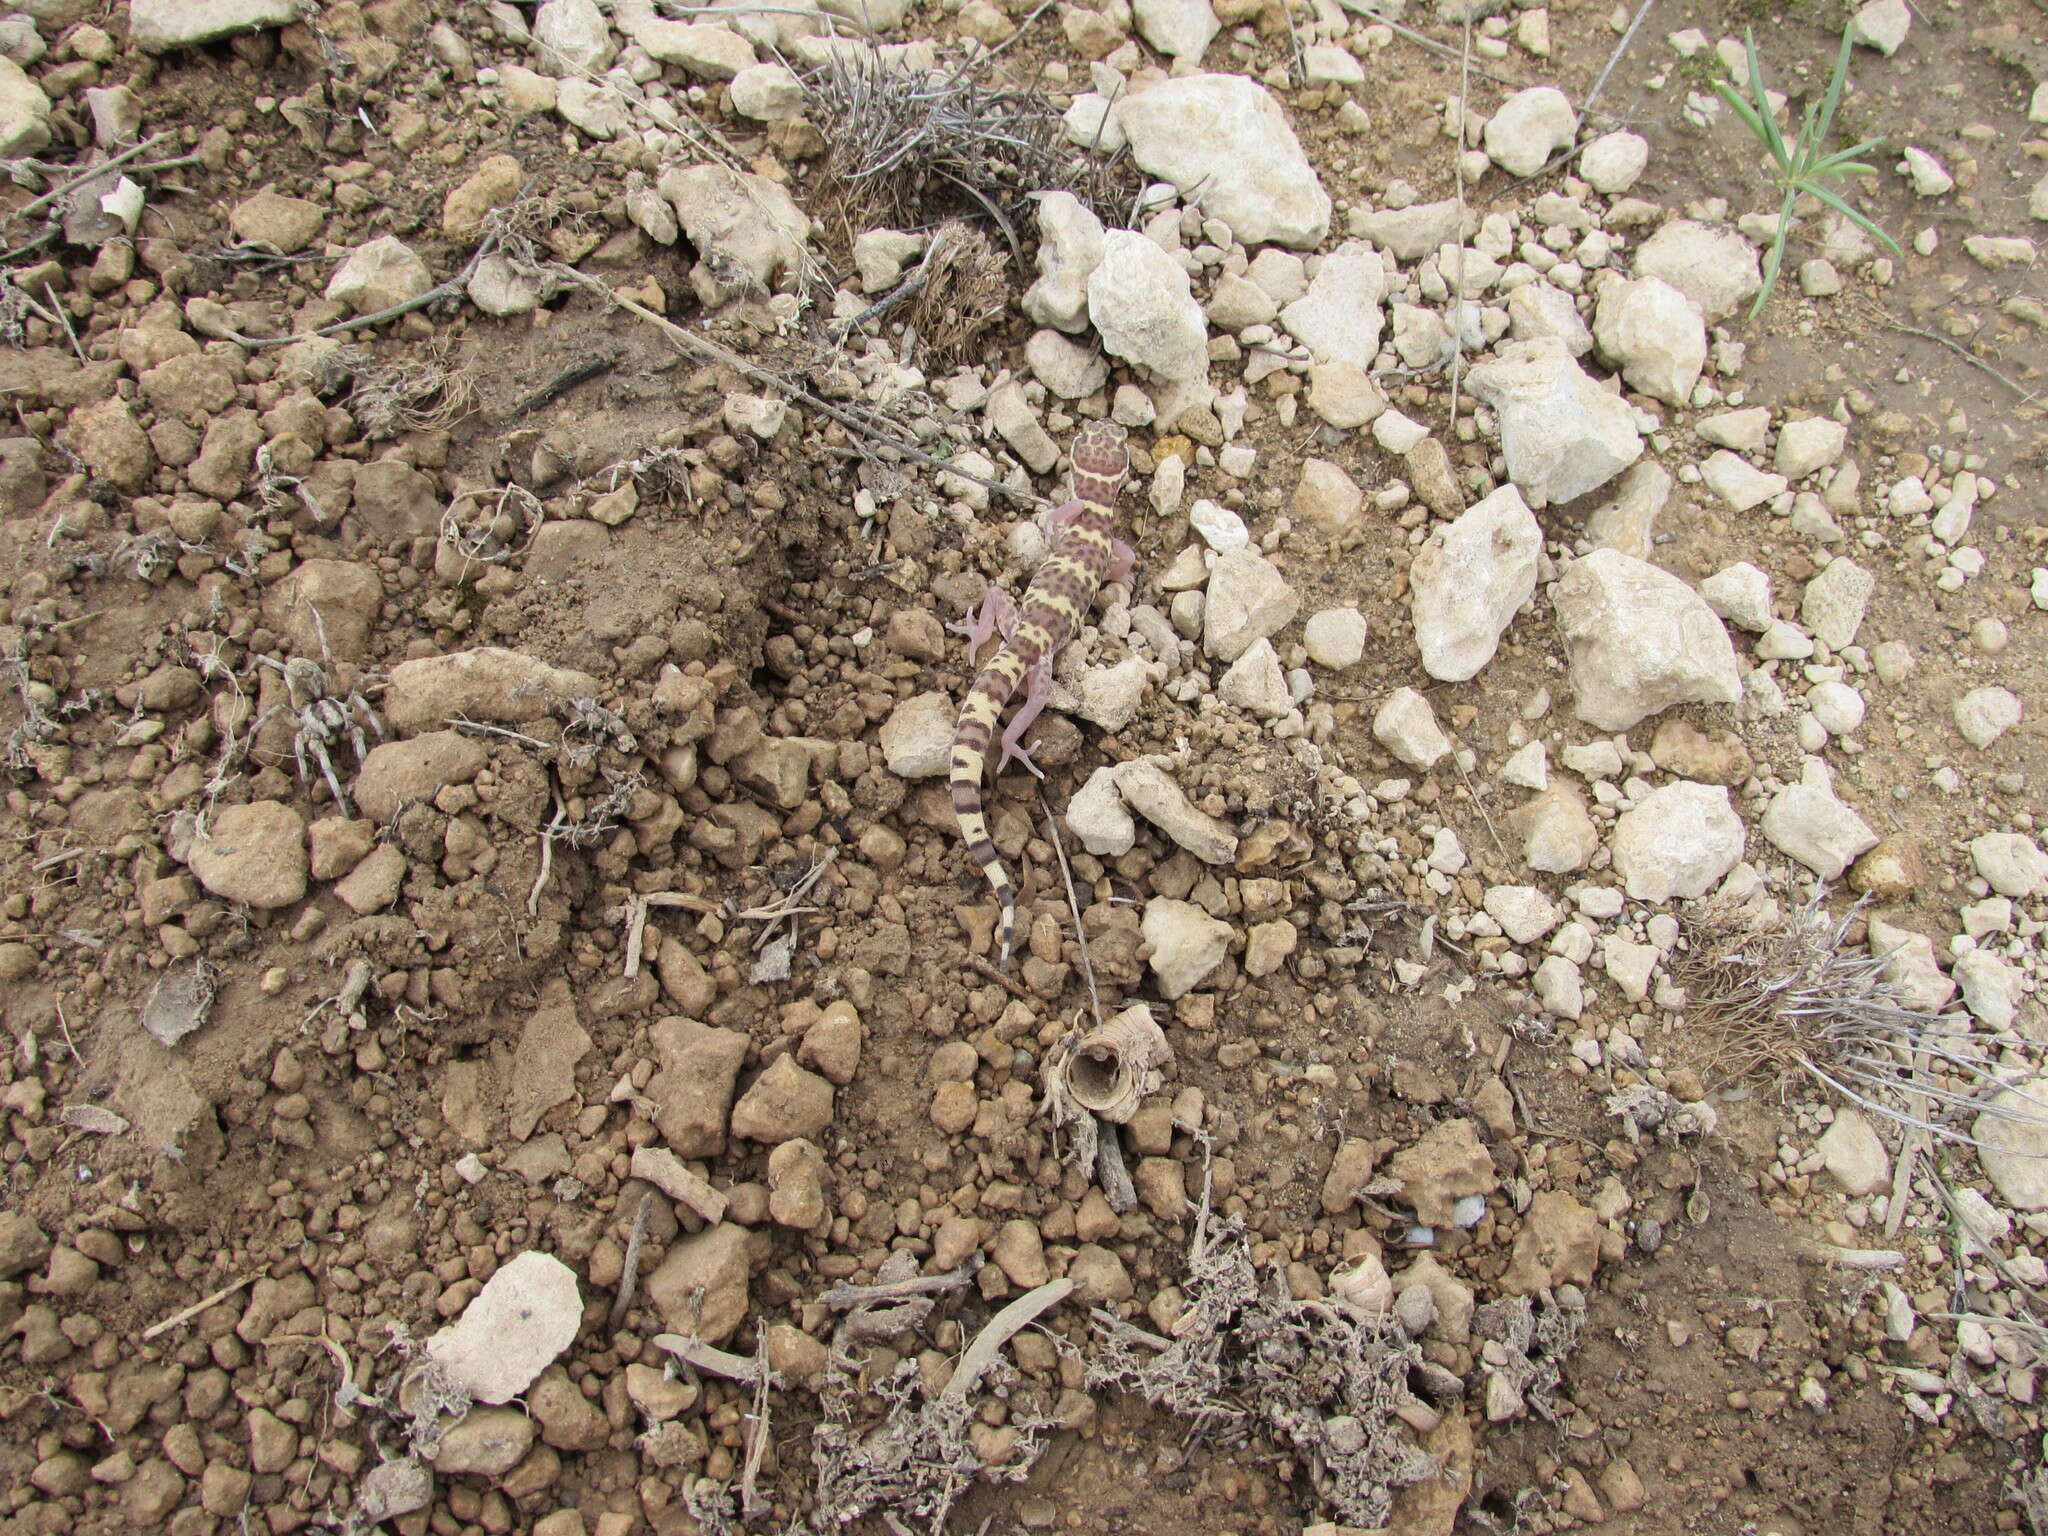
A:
{"points": [[1783, 994], [912, 147], [966, 291], [426, 393]]}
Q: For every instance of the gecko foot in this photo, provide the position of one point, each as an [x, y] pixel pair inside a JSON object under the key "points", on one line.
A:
{"points": [[997, 615]]}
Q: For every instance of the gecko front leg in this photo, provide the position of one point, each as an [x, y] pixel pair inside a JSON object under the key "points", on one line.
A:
{"points": [[997, 615]]}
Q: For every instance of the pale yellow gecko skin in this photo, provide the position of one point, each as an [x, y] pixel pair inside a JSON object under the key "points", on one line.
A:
{"points": [[1085, 555]]}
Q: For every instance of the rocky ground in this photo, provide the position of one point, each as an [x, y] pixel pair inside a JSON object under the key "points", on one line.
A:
{"points": [[1530, 1001]]}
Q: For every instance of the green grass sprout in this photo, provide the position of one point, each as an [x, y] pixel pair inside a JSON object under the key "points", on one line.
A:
{"points": [[1804, 167]]}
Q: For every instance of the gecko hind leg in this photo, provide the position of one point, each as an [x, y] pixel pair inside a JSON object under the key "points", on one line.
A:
{"points": [[1038, 683], [997, 615], [1124, 560]]}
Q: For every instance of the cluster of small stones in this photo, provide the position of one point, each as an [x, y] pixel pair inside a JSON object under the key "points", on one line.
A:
{"points": [[509, 817]]}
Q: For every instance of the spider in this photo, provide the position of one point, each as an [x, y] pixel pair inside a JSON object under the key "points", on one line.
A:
{"points": [[323, 721]]}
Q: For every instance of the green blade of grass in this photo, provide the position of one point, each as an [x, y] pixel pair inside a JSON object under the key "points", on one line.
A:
{"points": [[1836, 85], [1860, 220], [1761, 95]]}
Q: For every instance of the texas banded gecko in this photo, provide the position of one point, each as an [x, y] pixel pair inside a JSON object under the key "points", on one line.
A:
{"points": [[1085, 555]]}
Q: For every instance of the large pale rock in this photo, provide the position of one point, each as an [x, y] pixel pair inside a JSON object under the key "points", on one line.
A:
{"points": [[1713, 266], [1984, 714], [490, 684], [1557, 832], [158, 26], [1834, 602], [1806, 821], [2011, 863], [571, 37], [24, 112], [747, 230], [1223, 141], [1180, 29], [2012, 1143], [1992, 989], [1639, 640], [1540, 309], [1529, 128], [1910, 966], [1070, 247], [1678, 842], [1470, 579], [1654, 334], [253, 855], [1629, 522], [379, 275], [1416, 231], [1147, 788], [513, 1329], [1339, 318], [1187, 944], [1140, 301], [1406, 726], [917, 738], [1248, 600], [1563, 434]]}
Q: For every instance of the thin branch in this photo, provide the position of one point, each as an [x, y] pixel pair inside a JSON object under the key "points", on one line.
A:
{"points": [[689, 341], [36, 205], [1635, 25], [1073, 905]]}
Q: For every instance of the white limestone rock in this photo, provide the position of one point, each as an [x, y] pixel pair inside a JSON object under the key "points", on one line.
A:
{"points": [[1563, 435], [1807, 822], [513, 1329], [2012, 1143], [1223, 141], [1256, 684], [917, 738], [1654, 334], [1339, 318], [1150, 790], [1984, 714], [1804, 446], [1639, 640], [1741, 594], [1470, 579], [2010, 863], [1853, 1156], [1248, 600], [1834, 602], [1069, 249], [1992, 989], [1140, 301], [1180, 29], [1335, 638], [1613, 162], [1738, 482], [1530, 127], [1712, 265], [1406, 726], [1678, 842], [1187, 944], [1098, 817]]}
